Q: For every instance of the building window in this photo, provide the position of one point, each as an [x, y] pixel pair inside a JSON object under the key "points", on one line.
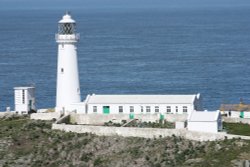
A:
{"points": [[23, 96], [131, 108], [185, 109], [142, 109], [95, 109], [147, 108], [176, 109], [157, 109], [62, 70], [120, 109], [168, 109]]}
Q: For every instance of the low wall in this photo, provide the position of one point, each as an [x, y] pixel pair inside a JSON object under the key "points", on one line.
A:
{"points": [[237, 114], [144, 132], [98, 119], [236, 120], [7, 114], [64, 119], [45, 116]]}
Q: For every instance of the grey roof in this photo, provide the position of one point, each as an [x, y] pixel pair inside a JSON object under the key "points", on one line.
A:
{"points": [[204, 116], [141, 99], [24, 87]]}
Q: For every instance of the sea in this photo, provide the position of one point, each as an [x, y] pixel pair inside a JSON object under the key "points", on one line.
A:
{"points": [[131, 51]]}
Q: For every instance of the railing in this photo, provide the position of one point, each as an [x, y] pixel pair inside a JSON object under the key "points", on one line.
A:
{"points": [[64, 37]]}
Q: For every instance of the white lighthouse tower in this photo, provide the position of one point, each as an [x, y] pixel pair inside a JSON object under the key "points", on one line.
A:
{"points": [[68, 88]]}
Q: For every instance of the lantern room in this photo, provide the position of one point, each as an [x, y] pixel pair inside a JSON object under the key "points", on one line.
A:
{"points": [[67, 25]]}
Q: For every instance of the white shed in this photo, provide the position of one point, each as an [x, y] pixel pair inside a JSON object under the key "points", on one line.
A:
{"points": [[143, 104], [205, 121], [24, 99]]}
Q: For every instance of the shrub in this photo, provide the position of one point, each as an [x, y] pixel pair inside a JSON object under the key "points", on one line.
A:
{"points": [[86, 157], [98, 161]]}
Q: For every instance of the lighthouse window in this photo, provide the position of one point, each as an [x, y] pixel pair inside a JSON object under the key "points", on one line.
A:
{"points": [[62, 70], [67, 28]]}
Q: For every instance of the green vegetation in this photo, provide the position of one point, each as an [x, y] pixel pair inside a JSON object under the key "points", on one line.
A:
{"points": [[237, 128], [25, 142], [136, 123]]}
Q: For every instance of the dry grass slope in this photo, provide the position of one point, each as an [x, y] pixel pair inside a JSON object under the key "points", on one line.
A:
{"points": [[24, 142]]}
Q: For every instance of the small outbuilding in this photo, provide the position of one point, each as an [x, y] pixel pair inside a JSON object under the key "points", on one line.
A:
{"points": [[205, 121], [24, 99]]}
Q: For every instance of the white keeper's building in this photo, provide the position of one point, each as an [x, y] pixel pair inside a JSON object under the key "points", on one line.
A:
{"points": [[142, 104]]}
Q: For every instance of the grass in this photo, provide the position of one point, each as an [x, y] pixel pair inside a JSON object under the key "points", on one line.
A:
{"points": [[237, 128], [33, 143], [221, 153]]}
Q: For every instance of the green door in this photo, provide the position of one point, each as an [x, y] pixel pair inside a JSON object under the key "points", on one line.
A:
{"points": [[105, 109], [131, 116], [242, 114], [161, 117]]}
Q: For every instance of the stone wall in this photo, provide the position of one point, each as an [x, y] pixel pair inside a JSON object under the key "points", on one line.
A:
{"points": [[236, 120], [144, 132], [7, 114], [99, 119], [45, 116]]}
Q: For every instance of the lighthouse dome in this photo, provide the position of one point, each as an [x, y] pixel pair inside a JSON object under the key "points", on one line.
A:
{"points": [[67, 19]]}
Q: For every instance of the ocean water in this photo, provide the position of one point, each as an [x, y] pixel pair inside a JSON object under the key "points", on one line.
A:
{"points": [[132, 51]]}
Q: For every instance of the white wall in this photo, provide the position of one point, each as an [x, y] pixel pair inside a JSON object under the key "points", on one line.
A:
{"points": [[45, 116], [114, 108], [211, 127], [31, 96], [74, 107], [68, 89], [246, 114], [20, 101], [78, 108], [179, 125]]}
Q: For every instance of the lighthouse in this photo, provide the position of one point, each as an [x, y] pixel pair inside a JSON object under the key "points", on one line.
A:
{"points": [[68, 88]]}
